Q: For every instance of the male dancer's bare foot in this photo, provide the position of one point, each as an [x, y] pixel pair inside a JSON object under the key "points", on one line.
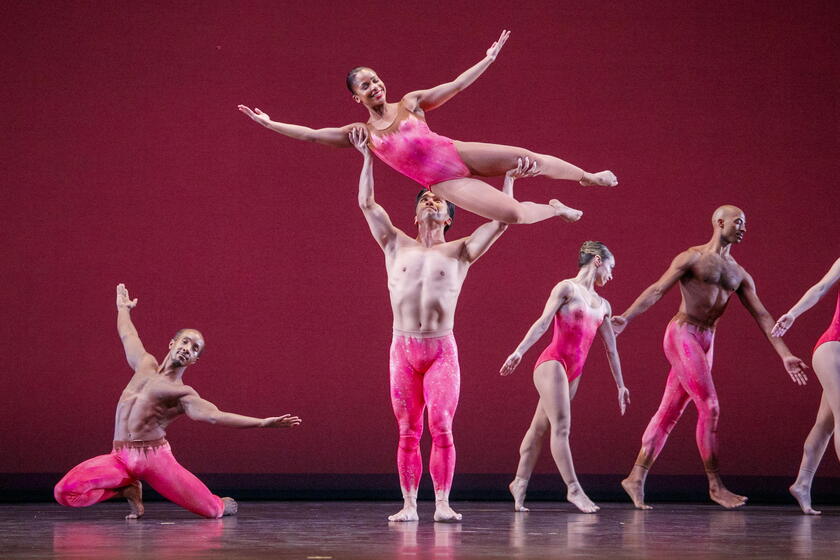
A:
{"points": [[409, 510], [576, 495], [724, 497], [231, 507], [803, 497], [600, 179], [636, 490], [444, 513], [405, 514], [517, 489], [134, 494], [566, 213]]}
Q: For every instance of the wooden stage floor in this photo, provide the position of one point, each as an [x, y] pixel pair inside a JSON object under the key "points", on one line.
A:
{"points": [[359, 530]]}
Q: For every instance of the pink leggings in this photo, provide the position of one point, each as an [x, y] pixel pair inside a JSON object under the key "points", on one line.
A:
{"points": [[689, 350], [99, 479], [425, 371]]}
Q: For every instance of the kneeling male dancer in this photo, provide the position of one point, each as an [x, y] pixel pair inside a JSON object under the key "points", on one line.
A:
{"points": [[425, 275], [154, 397], [708, 276]]}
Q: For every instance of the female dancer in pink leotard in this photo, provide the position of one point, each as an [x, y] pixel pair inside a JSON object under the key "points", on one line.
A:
{"points": [[578, 312], [400, 137], [826, 363]]}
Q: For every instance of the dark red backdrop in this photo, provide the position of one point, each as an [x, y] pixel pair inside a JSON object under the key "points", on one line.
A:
{"points": [[125, 160]]}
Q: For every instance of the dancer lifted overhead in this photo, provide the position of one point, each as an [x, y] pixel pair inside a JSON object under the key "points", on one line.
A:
{"points": [[578, 312], [425, 275], [399, 136], [708, 276], [154, 397], [826, 362]]}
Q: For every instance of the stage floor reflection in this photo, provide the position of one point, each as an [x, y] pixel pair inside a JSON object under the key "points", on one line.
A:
{"points": [[359, 530]]}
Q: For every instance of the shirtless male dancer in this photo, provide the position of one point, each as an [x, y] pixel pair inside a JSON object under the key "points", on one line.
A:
{"points": [[425, 275], [154, 397], [708, 276]]}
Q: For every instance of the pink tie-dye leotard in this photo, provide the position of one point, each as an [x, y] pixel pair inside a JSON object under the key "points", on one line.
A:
{"points": [[411, 148], [833, 331], [575, 326]]}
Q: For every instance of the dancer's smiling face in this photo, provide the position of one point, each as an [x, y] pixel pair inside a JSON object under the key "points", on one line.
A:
{"points": [[368, 88], [186, 347]]}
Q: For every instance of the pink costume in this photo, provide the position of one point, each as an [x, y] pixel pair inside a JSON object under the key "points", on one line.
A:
{"points": [[98, 479], [689, 349], [411, 148], [574, 330], [425, 371], [833, 332]]}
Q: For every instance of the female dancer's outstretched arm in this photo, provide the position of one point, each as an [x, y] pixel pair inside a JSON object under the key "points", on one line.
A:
{"points": [[559, 295], [428, 99], [608, 336], [808, 300], [332, 136]]}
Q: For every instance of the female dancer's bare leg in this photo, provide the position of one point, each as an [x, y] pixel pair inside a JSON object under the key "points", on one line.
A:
{"points": [[491, 160], [486, 200], [555, 399], [812, 454], [529, 451], [826, 364]]}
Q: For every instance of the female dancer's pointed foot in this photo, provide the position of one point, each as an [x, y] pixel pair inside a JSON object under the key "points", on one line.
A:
{"points": [[408, 513], [600, 179], [803, 497], [576, 495], [565, 212], [134, 494], [231, 507], [445, 514], [724, 497], [517, 490], [636, 491]]}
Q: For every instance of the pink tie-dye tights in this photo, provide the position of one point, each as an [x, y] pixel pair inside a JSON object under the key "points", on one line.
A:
{"points": [[99, 479], [689, 349], [425, 371]]}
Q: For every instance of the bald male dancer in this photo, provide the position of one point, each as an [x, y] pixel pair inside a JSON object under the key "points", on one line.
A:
{"points": [[154, 397], [425, 275], [708, 276]]}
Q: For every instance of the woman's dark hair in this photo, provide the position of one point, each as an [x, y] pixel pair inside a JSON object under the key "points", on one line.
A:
{"points": [[449, 206], [351, 77], [591, 249]]}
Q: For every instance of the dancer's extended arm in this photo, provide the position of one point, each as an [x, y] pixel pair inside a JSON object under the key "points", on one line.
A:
{"points": [[204, 411], [811, 297], [487, 234], [332, 136], [559, 295], [608, 336], [378, 220], [748, 296], [655, 291], [433, 98], [134, 351]]}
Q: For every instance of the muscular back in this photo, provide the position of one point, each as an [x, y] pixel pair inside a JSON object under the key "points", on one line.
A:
{"points": [[148, 404], [424, 284], [707, 284]]}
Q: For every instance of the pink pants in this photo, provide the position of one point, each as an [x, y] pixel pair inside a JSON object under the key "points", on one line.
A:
{"points": [[99, 479], [689, 349], [425, 371]]}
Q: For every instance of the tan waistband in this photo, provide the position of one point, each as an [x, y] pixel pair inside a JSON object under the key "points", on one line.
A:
{"points": [[140, 444], [684, 319], [423, 334]]}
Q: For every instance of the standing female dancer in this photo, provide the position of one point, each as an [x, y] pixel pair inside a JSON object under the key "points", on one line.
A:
{"points": [[400, 137], [826, 363], [578, 312]]}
